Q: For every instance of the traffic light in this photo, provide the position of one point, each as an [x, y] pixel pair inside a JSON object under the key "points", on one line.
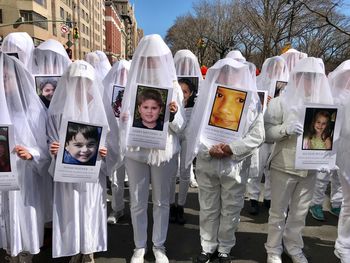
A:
{"points": [[75, 33], [69, 52]]}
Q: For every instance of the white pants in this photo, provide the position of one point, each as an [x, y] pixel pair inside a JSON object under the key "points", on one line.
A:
{"points": [[221, 199], [253, 185], [342, 244], [140, 175], [117, 186], [322, 181], [185, 174], [297, 192]]}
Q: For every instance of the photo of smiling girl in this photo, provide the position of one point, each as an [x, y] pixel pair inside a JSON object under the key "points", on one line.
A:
{"points": [[82, 142], [149, 113], [227, 108]]}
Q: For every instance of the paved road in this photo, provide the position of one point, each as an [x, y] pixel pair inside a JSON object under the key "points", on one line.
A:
{"points": [[183, 242]]}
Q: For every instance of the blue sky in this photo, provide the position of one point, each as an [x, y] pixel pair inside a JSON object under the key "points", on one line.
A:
{"points": [[157, 16]]}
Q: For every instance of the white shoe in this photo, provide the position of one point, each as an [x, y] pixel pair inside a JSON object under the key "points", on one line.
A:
{"points": [[114, 217], [75, 259], [273, 258], [193, 183], [138, 255], [25, 257], [159, 254], [298, 258]]}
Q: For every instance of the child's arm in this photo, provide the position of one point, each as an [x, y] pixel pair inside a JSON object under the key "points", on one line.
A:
{"points": [[54, 147], [23, 153], [103, 152]]}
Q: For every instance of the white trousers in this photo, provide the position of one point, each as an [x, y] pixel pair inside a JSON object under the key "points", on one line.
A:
{"points": [[297, 192], [322, 181], [253, 185], [342, 244], [185, 174], [221, 199], [140, 175], [117, 185]]}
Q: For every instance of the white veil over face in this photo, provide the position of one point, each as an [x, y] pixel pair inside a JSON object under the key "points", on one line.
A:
{"points": [[186, 64], [118, 74], [22, 44], [104, 65], [236, 55], [227, 72], [93, 59], [292, 56], [307, 84], [274, 69], [50, 57]]}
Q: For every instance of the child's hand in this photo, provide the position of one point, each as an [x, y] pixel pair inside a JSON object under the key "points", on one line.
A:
{"points": [[124, 117], [54, 148], [173, 107], [268, 99], [103, 152], [226, 149], [216, 152], [23, 153]]}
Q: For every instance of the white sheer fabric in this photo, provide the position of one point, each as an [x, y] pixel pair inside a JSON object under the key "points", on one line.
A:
{"points": [[186, 64], [236, 55], [21, 43], [292, 56], [100, 62], [274, 69], [50, 57]]}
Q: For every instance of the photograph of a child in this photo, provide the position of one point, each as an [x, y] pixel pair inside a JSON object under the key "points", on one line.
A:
{"points": [[319, 129], [262, 95], [227, 108], [150, 108], [189, 86], [5, 164], [117, 98], [81, 144], [45, 88], [13, 54], [280, 85]]}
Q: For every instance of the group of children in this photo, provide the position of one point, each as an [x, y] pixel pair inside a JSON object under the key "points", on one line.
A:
{"points": [[225, 170]]}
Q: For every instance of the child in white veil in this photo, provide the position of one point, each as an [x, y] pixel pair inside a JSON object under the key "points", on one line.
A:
{"points": [[22, 215], [79, 209]]}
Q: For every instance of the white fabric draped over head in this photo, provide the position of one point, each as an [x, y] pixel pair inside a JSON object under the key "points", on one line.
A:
{"points": [[228, 72], [274, 69], [50, 57], [186, 64], [21, 43], [100, 62], [292, 56], [236, 55]]}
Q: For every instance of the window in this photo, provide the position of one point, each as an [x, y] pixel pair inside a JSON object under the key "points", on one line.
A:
{"points": [[62, 12], [41, 2], [35, 18]]}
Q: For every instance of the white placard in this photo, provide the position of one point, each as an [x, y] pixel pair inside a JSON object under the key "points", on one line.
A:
{"points": [[78, 159], [8, 168], [315, 147], [226, 117], [150, 117]]}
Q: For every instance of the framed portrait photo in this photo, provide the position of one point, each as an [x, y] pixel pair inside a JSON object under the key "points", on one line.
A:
{"points": [[45, 87], [280, 85], [117, 98]]}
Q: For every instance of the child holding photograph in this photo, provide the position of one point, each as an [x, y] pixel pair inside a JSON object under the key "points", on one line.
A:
{"points": [[319, 134], [81, 144], [149, 106]]}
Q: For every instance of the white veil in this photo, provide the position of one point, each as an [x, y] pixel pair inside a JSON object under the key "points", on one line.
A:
{"points": [[236, 55], [186, 64], [50, 57], [104, 65], [292, 56], [21, 43]]}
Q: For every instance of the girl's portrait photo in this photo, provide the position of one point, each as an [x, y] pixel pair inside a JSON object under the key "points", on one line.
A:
{"points": [[319, 129], [5, 164], [280, 85], [150, 108], [189, 86], [45, 88], [81, 144], [117, 98], [227, 108]]}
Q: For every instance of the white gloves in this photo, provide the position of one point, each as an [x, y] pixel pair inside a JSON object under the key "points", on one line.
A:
{"points": [[327, 169], [294, 128]]}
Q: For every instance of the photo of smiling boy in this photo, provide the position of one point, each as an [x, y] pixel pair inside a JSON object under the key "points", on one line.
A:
{"points": [[227, 108], [82, 142], [149, 112]]}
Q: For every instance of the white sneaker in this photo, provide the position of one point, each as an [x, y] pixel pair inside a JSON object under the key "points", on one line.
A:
{"points": [[193, 183], [25, 257], [298, 258], [159, 254], [138, 255], [273, 258], [114, 217]]}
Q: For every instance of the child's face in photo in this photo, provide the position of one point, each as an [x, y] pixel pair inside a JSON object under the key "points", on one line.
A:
{"points": [[2, 150], [186, 91], [48, 91], [81, 148], [227, 109], [320, 124], [149, 112]]}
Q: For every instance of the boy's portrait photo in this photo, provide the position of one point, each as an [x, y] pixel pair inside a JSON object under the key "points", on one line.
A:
{"points": [[227, 108], [150, 108], [117, 97], [45, 87], [319, 129], [81, 144], [189, 87], [5, 164], [280, 85]]}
